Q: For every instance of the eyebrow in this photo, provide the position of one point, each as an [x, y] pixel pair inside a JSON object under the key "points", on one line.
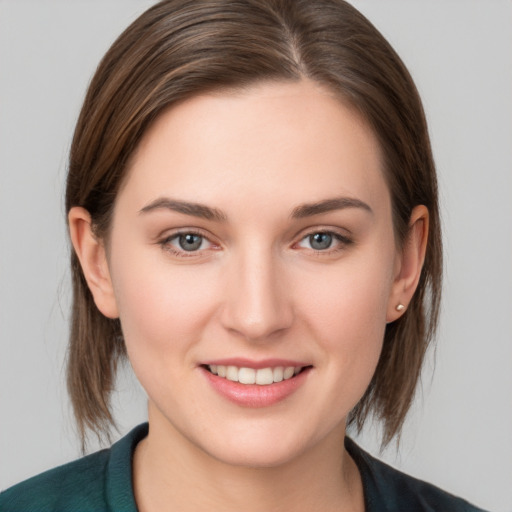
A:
{"points": [[206, 212], [188, 208], [328, 205]]}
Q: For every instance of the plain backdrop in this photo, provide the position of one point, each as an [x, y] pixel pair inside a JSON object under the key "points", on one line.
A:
{"points": [[459, 433]]}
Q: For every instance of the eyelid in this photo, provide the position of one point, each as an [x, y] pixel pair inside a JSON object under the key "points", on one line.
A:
{"points": [[164, 240], [342, 238], [342, 233]]}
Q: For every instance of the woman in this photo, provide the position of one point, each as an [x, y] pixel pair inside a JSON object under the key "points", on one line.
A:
{"points": [[252, 203]]}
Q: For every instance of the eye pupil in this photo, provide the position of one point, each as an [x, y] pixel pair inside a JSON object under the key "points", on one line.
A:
{"points": [[320, 241], [190, 242]]}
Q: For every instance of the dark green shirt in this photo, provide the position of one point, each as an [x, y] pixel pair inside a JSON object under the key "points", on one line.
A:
{"points": [[102, 482]]}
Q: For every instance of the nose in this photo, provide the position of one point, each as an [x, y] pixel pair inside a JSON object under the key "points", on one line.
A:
{"points": [[257, 304]]}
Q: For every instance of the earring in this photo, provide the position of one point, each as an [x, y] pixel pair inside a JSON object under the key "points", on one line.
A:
{"points": [[400, 307]]}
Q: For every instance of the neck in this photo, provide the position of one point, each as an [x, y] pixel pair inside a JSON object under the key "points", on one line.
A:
{"points": [[170, 472]]}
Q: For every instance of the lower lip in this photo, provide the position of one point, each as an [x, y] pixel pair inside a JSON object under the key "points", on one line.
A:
{"points": [[254, 395]]}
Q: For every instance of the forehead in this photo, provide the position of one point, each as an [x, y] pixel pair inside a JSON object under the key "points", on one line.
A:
{"points": [[258, 142]]}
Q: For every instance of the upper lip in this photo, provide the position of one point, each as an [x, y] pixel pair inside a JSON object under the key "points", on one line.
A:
{"points": [[242, 362]]}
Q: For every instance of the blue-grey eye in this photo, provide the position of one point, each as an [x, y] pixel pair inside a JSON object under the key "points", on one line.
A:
{"points": [[190, 241], [320, 241]]}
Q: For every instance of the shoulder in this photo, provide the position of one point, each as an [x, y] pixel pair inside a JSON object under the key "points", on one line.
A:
{"points": [[388, 489], [95, 482], [74, 486]]}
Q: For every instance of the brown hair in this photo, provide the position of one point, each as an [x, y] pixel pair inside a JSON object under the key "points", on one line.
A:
{"points": [[180, 48]]}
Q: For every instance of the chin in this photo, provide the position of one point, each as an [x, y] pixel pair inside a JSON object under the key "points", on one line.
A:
{"points": [[256, 456], [264, 447]]}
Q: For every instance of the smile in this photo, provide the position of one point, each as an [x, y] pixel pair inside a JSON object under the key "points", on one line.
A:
{"points": [[261, 376], [255, 384]]}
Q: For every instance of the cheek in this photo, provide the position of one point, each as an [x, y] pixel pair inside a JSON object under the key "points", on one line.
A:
{"points": [[350, 321], [346, 310], [163, 307], [351, 297]]}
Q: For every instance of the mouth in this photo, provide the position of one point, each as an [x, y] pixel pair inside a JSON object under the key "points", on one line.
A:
{"points": [[256, 384], [250, 376]]}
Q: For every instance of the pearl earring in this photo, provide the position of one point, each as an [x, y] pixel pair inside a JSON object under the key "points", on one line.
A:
{"points": [[400, 307]]}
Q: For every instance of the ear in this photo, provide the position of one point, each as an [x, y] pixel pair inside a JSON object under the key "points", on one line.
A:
{"points": [[409, 264], [93, 259]]}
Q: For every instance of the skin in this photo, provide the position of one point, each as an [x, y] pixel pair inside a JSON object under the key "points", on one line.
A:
{"points": [[257, 287]]}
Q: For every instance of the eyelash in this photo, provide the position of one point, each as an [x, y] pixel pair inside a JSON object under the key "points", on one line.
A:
{"points": [[341, 243], [181, 253]]}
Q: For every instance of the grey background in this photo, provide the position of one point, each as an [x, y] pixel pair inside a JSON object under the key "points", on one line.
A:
{"points": [[459, 433]]}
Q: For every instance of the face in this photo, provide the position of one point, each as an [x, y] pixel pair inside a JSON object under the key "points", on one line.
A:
{"points": [[252, 240]]}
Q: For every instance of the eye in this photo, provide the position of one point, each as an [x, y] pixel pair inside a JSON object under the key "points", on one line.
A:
{"points": [[324, 241], [186, 243], [320, 241], [190, 241]]}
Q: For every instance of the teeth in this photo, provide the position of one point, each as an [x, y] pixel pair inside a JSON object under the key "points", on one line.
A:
{"points": [[263, 376], [232, 373], [288, 372], [247, 376], [278, 374]]}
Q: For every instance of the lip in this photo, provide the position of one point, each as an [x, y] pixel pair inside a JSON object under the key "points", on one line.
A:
{"points": [[254, 395], [241, 362]]}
